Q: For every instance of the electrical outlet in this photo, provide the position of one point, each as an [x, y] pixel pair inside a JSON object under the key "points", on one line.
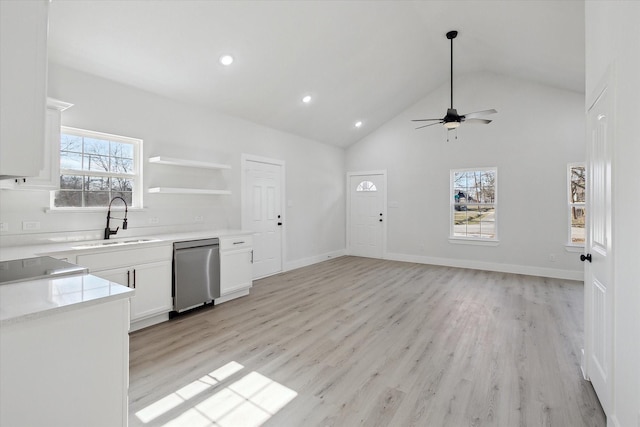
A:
{"points": [[198, 218], [4, 226], [553, 258], [30, 225], [154, 220]]}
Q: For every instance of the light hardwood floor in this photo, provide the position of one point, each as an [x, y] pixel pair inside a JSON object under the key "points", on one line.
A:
{"points": [[356, 341]]}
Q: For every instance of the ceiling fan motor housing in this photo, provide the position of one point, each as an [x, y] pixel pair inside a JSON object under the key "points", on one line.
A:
{"points": [[452, 116]]}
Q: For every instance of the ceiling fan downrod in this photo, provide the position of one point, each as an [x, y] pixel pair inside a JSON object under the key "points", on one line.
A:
{"points": [[452, 35]]}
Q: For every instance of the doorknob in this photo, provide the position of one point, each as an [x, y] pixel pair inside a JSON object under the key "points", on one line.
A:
{"points": [[586, 257]]}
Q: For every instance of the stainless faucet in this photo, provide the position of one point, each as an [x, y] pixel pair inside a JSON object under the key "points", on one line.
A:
{"points": [[108, 231]]}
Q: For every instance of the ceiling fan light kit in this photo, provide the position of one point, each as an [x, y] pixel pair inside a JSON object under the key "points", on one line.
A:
{"points": [[452, 119]]}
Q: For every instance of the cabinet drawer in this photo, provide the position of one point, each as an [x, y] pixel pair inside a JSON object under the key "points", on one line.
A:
{"points": [[235, 242], [124, 258]]}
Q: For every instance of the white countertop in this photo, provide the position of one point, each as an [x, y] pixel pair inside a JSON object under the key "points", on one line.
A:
{"points": [[54, 248], [31, 299], [27, 300]]}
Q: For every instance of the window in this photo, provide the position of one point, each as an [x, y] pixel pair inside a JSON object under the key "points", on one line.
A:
{"points": [[366, 186], [473, 204], [577, 185], [95, 167]]}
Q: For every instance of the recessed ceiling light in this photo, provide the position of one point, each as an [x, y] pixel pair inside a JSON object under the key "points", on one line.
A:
{"points": [[226, 59], [306, 99], [358, 124]]}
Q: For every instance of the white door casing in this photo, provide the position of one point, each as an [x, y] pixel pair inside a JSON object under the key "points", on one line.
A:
{"points": [[599, 279], [263, 212], [366, 213]]}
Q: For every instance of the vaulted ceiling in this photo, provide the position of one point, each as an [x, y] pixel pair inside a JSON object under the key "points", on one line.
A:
{"points": [[359, 60]]}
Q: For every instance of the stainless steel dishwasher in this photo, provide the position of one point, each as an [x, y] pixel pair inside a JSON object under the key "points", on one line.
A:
{"points": [[196, 273]]}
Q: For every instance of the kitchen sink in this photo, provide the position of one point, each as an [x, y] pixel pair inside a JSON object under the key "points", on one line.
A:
{"points": [[112, 243]]}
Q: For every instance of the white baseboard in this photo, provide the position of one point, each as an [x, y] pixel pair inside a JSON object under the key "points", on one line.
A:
{"points": [[489, 266], [233, 295], [304, 262], [583, 366], [149, 321], [612, 421]]}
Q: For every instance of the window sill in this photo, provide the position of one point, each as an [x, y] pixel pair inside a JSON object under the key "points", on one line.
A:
{"points": [[574, 248], [475, 242], [100, 210]]}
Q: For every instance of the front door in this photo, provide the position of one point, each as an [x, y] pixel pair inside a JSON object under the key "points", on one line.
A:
{"points": [[599, 283], [367, 215], [262, 214]]}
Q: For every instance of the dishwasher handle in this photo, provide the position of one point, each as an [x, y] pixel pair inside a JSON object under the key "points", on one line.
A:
{"points": [[196, 243]]}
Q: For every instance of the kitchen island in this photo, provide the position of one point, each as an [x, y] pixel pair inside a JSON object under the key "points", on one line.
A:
{"points": [[64, 352]]}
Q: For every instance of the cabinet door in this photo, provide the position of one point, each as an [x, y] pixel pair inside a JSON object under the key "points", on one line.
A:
{"points": [[152, 283], [23, 78], [121, 276], [235, 270], [49, 177]]}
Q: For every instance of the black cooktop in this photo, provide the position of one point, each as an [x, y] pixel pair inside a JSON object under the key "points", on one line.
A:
{"points": [[20, 270]]}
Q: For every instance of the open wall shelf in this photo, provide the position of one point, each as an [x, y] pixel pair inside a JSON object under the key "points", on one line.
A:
{"points": [[162, 160], [172, 161], [174, 190]]}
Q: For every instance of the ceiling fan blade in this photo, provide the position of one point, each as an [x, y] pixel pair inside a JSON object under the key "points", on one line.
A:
{"points": [[478, 121], [479, 114], [430, 124], [424, 120]]}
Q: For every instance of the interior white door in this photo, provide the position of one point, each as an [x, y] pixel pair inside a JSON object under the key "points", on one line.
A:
{"points": [[367, 216], [263, 215], [599, 283]]}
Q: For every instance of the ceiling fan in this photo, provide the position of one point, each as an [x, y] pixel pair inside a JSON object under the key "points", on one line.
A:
{"points": [[452, 119]]}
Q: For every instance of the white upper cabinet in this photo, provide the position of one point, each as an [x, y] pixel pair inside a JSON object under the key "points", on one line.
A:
{"points": [[23, 85], [49, 176]]}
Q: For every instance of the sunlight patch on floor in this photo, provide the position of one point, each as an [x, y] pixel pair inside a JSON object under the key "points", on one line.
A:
{"points": [[187, 392], [247, 402]]}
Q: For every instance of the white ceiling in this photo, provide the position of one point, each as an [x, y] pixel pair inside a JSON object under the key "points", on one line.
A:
{"points": [[360, 60]]}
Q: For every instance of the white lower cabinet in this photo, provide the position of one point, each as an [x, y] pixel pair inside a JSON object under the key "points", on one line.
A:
{"points": [[236, 267], [69, 368], [152, 283], [147, 270]]}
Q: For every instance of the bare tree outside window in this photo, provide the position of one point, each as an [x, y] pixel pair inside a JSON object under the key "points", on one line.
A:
{"points": [[95, 169], [577, 210], [474, 203]]}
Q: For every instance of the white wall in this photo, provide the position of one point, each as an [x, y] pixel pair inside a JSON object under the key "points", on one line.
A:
{"points": [[314, 171], [612, 36], [537, 131]]}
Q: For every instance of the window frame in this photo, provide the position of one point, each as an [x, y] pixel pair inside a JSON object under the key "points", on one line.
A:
{"points": [[570, 205], [136, 176], [473, 240], [366, 186]]}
